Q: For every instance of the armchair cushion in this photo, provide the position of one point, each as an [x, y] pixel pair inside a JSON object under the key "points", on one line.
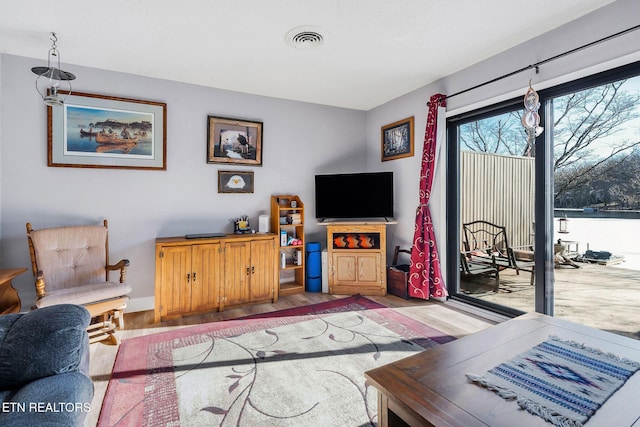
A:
{"points": [[42, 343], [85, 294], [68, 255]]}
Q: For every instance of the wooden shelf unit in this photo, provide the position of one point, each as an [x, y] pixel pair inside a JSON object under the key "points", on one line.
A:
{"points": [[198, 275], [357, 258], [292, 274]]}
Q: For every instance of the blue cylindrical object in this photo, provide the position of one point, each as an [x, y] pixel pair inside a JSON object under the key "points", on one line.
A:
{"points": [[314, 267]]}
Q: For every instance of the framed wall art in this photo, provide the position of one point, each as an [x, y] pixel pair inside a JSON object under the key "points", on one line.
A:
{"points": [[397, 140], [235, 182], [234, 141], [97, 131]]}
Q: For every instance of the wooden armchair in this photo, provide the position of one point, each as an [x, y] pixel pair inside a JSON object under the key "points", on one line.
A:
{"points": [[71, 265]]}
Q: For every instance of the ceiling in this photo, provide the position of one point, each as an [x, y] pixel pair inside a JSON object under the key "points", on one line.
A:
{"points": [[373, 50]]}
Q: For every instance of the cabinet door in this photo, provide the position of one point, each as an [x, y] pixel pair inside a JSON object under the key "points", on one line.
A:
{"points": [[356, 268], [176, 280], [344, 268], [369, 268], [206, 276], [237, 272], [263, 267]]}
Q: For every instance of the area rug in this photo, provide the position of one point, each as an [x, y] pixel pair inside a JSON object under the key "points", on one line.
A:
{"points": [[563, 382], [295, 367]]}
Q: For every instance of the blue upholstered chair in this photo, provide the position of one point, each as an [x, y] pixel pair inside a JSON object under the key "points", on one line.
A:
{"points": [[44, 367]]}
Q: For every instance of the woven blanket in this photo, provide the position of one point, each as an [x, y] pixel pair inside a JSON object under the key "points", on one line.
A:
{"points": [[563, 382]]}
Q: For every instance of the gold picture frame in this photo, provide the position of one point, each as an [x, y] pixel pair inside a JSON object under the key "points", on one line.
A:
{"points": [[234, 141], [397, 140]]}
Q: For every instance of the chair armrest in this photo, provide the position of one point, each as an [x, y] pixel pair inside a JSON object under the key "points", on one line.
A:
{"points": [[40, 288], [122, 266]]}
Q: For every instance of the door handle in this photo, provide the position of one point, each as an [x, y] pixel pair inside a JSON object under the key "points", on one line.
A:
{"points": [[248, 271], [194, 276], [253, 269], [188, 277]]}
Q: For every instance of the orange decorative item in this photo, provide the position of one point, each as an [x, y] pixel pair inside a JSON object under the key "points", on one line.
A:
{"points": [[366, 242], [352, 241]]}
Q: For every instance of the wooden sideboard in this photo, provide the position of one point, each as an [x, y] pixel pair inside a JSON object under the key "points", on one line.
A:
{"points": [[197, 275], [357, 257]]}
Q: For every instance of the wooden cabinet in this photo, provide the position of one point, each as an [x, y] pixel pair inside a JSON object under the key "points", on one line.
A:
{"points": [[250, 271], [197, 275], [287, 221], [357, 258], [190, 278]]}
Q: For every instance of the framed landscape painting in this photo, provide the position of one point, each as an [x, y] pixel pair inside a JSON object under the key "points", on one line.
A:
{"points": [[97, 131], [234, 141], [397, 140]]}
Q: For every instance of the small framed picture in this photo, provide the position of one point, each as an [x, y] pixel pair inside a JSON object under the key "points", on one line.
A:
{"points": [[397, 140], [234, 141], [235, 182]]}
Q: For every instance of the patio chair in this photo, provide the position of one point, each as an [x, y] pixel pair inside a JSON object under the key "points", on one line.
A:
{"points": [[71, 265], [470, 268], [487, 243]]}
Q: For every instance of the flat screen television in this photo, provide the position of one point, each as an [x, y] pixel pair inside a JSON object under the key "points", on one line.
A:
{"points": [[354, 195]]}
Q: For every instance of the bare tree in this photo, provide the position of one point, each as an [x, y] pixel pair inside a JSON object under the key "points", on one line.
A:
{"points": [[501, 134], [585, 124], [588, 142]]}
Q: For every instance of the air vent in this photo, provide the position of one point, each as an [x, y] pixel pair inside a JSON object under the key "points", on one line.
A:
{"points": [[305, 38]]}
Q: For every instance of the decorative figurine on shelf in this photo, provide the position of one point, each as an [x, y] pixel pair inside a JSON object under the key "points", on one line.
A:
{"points": [[241, 225]]}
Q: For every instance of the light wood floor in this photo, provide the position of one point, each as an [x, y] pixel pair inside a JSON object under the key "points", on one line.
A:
{"points": [[443, 316]]}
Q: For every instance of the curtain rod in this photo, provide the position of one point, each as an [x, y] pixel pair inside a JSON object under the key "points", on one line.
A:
{"points": [[537, 65]]}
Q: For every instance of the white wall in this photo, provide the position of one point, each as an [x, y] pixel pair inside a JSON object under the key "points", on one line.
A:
{"points": [[300, 140], [611, 19]]}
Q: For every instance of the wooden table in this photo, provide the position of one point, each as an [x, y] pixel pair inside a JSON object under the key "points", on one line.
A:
{"points": [[431, 389], [9, 299]]}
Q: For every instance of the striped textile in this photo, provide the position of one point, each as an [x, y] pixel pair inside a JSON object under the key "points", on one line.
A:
{"points": [[563, 382]]}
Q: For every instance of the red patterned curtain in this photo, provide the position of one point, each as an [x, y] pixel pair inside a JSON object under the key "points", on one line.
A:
{"points": [[425, 275]]}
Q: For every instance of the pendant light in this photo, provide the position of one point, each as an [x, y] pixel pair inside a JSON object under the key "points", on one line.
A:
{"points": [[54, 75]]}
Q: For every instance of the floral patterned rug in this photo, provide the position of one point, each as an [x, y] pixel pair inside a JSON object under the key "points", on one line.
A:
{"points": [[296, 367]]}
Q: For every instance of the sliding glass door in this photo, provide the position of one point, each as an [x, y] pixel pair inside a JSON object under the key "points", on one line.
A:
{"points": [[596, 169], [496, 203], [548, 220]]}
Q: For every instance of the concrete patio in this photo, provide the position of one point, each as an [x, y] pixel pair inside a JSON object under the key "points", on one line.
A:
{"points": [[604, 297]]}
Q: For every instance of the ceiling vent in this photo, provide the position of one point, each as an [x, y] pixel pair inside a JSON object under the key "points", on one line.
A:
{"points": [[305, 38]]}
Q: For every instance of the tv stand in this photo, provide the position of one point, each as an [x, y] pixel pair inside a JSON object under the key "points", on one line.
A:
{"points": [[357, 258]]}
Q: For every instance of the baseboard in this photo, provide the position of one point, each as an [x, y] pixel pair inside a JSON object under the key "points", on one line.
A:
{"points": [[140, 304]]}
